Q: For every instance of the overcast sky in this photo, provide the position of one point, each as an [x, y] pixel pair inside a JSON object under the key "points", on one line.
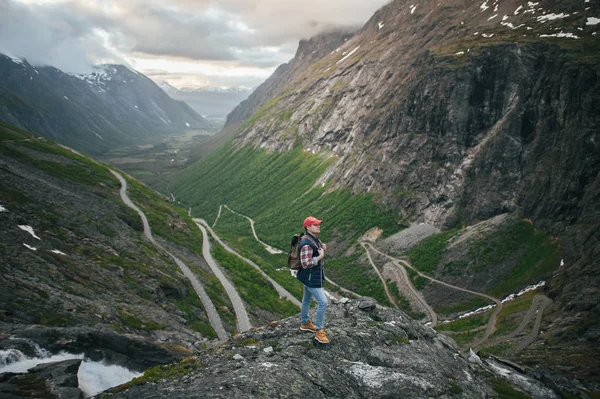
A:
{"points": [[185, 42]]}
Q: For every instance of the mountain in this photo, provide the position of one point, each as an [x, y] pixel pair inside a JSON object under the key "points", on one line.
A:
{"points": [[92, 112], [80, 276], [214, 102], [448, 114]]}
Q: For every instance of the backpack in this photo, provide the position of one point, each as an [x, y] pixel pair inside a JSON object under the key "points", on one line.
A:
{"points": [[294, 254]]}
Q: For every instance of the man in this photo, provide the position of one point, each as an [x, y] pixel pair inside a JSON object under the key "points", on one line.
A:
{"points": [[312, 251]]}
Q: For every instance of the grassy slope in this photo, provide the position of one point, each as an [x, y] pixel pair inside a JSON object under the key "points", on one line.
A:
{"points": [[63, 164], [275, 190]]}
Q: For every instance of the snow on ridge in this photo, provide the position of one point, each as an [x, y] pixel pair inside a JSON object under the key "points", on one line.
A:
{"points": [[56, 251], [592, 21], [562, 34], [551, 17], [3, 209], [484, 6], [412, 9], [510, 25], [30, 247], [380, 24], [29, 229], [348, 55]]}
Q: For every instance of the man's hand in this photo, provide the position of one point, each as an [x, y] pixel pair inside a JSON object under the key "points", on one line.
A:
{"points": [[321, 253]]}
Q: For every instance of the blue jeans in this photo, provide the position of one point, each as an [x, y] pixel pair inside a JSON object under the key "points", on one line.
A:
{"points": [[319, 295]]}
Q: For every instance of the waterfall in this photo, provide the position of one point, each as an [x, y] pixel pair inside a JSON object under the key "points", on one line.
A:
{"points": [[94, 377]]}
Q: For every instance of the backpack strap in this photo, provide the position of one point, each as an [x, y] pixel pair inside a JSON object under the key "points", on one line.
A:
{"points": [[311, 240]]}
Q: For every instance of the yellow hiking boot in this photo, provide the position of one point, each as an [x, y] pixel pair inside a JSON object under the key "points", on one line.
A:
{"points": [[308, 327], [321, 336]]}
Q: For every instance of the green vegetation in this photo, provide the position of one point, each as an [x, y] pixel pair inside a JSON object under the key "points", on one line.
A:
{"points": [[167, 221], [261, 113], [402, 302], [418, 281], [475, 302], [454, 388], [505, 390], [428, 253], [9, 132], [466, 323], [191, 305], [540, 256], [169, 371], [65, 164], [349, 273], [237, 232], [254, 289], [242, 177], [399, 340], [133, 322], [507, 320], [465, 339], [497, 350]]}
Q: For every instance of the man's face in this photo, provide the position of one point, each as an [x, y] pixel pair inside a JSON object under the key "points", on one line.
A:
{"points": [[314, 228]]}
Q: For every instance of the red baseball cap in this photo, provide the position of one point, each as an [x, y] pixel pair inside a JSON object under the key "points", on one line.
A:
{"points": [[311, 221]]}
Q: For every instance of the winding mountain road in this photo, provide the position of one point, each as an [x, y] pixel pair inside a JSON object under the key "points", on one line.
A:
{"points": [[209, 307], [385, 287], [243, 322], [538, 305], [269, 248], [283, 293], [491, 326], [413, 291]]}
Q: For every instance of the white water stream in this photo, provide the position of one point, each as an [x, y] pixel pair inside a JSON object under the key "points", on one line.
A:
{"points": [[94, 377]]}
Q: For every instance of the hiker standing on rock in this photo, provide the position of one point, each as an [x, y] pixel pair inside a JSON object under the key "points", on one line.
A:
{"points": [[312, 275]]}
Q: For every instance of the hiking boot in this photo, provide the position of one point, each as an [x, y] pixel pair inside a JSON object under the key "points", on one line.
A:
{"points": [[321, 336], [308, 327]]}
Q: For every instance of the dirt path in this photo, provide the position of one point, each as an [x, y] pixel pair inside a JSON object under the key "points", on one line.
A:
{"points": [[385, 287], [209, 307], [283, 293], [542, 303], [269, 248], [491, 326], [416, 294], [243, 321]]}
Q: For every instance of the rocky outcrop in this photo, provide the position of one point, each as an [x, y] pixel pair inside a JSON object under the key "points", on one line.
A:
{"points": [[49, 380], [374, 353]]}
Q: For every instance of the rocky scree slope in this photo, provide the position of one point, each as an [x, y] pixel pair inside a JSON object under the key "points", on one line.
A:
{"points": [[456, 112], [89, 112], [74, 261], [375, 353]]}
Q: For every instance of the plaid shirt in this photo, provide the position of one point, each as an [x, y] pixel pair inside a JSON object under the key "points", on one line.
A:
{"points": [[306, 259]]}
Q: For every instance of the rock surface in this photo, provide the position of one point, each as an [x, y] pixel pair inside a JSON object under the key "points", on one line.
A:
{"points": [[49, 380], [376, 354]]}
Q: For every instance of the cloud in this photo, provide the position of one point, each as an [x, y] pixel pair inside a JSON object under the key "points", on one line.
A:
{"points": [[72, 34]]}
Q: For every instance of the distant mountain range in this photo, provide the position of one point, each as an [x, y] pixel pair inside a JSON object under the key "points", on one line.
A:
{"points": [[92, 112], [214, 103]]}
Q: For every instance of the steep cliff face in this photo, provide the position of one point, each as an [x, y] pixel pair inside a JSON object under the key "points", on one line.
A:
{"points": [[309, 51], [452, 108], [456, 112]]}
